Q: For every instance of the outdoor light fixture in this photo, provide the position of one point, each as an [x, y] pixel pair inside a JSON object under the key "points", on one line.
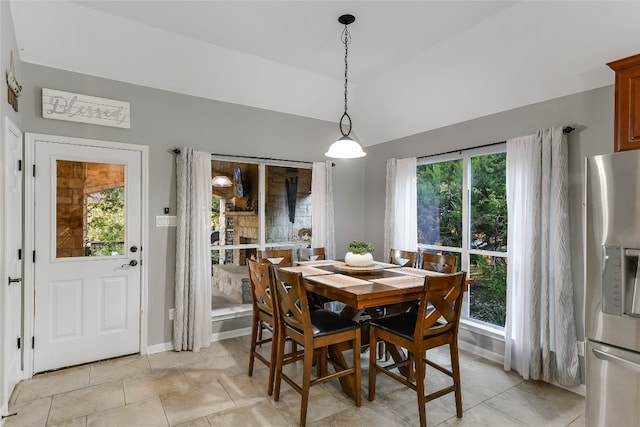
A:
{"points": [[345, 147], [221, 181]]}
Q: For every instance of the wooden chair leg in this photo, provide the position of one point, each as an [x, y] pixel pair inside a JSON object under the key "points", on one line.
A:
{"points": [[274, 357], [254, 334], [455, 369], [306, 384], [357, 368], [372, 362], [419, 376], [279, 360]]}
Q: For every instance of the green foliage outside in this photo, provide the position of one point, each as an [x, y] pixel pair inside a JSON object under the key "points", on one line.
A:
{"points": [[105, 222], [440, 217]]}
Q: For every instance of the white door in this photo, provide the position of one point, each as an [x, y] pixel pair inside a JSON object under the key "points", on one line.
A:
{"points": [[12, 309], [87, 239]]}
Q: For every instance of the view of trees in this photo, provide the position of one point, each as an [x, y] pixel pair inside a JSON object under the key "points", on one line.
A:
{"points": [[105, 222], [440, 217]]}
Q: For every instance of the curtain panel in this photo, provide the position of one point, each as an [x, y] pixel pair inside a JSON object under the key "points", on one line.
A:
{"points": [[322, 221], [401, 206], [540, 331], [192, 324]]}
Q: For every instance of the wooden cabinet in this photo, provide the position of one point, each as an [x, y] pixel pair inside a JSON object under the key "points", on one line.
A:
{"points": [[627, 103]]}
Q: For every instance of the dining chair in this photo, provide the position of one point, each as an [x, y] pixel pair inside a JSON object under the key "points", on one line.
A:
{"points": [[264, 317], [277, 257], [403, 258], [311, 254], [435, 324], [437, 262], [315, 331]]}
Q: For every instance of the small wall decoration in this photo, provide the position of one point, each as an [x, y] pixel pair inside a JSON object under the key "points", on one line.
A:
{"points": [[74, 107], [14, 89]]}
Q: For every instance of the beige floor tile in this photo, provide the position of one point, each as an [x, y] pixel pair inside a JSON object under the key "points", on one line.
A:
{"points": [[195, 402], [559, 408], [404, 402], [323, 402], [370, 414], [52, 383], [262, 413], [225, 348], [484, 415], [211, 370], [578, 422], [153, 384], [31, 413], [200, 422], [242, 388], [76, 422], [77, 403], [173, 359], [117, 369], [147, 413]]}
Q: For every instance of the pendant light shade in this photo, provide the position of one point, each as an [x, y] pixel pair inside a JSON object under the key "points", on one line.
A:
{"points": [[221, 181], [345, 147]]}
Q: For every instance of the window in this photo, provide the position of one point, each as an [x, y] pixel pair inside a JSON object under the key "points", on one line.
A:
{"points": [[462, 210], [267, 206]]}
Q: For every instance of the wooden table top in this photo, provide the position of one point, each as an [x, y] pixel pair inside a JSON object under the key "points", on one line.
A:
{"points": [[359, 290]]}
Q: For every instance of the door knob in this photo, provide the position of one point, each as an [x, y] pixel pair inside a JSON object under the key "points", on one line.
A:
{"points": [[133, 249], [133, 263]]}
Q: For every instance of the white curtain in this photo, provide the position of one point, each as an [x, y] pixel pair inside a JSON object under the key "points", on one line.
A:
{"points": [[192, 324], [540, 330], [401, 206], [322, 226]]}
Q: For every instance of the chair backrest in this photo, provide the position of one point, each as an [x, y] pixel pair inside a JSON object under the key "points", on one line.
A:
{"points": [[277, 257], [403, 258], [262, 289], [441, 305], [310, 254], [293, 304], [440, 263]]}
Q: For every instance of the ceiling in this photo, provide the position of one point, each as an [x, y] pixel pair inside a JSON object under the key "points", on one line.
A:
{"points": [[413, 65]]}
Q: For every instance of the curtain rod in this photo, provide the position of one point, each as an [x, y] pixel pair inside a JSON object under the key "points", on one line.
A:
{"points": [[177, 151], [566, 130]]}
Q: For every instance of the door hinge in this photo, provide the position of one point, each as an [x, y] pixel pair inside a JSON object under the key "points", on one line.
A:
{"points": [[34, 256], [19, 253], [19, 165], [19, 342], [34, 170], [33, 342]]}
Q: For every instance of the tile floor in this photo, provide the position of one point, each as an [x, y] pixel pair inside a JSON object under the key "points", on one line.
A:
{"points": [[211, 388]]}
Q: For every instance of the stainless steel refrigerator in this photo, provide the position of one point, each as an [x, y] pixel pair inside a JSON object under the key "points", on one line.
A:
{"points": [[612, 294]]}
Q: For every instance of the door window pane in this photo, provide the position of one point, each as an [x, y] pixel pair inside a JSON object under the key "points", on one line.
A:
{"points": [[440, 203], [488, 295], [488, 203], [288, 205], [90, 209]]}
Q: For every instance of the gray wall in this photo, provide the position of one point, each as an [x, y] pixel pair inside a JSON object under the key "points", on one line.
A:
{"points": [[591, 113], [165, 120]]}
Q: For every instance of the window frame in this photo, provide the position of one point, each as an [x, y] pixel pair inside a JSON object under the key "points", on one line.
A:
{"points": [[465, 250], [262, 191]]}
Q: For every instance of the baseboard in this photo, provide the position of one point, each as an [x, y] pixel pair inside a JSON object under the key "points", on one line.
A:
{"points": [[159, 348], [219, 336], [484, 353]]}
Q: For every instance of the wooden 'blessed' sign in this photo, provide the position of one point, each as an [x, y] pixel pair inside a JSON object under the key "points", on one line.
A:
{"points": [[74, 107]]}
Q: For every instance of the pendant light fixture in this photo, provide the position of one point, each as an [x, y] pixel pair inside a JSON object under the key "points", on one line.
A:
{"points": [[345, 147]]}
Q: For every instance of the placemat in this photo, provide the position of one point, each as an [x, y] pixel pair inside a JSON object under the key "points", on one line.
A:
{"points": [[306, 270], [401, 281], [339, 280], [318, 263]]}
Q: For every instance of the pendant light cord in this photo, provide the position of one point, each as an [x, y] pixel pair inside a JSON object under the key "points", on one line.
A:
{"points": [[346, 39]]}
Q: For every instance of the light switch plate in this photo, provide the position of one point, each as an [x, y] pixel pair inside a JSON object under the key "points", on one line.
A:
{"points": [[166, 221]]}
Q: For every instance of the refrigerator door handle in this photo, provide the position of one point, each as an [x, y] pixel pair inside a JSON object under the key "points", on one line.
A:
{"points": [[620, 361]]}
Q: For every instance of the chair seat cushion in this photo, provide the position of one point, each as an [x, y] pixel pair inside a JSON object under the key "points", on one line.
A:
{"points": [[327, 322], [403, 324]]}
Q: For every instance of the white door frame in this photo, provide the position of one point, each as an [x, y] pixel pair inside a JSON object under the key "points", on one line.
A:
{"points": [[29, 243]]}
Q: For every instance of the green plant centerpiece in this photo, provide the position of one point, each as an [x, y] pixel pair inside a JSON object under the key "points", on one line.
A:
{"points": [[359, 254]]}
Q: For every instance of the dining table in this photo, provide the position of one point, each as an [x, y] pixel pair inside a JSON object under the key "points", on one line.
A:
{"points": [[364, 289]]}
